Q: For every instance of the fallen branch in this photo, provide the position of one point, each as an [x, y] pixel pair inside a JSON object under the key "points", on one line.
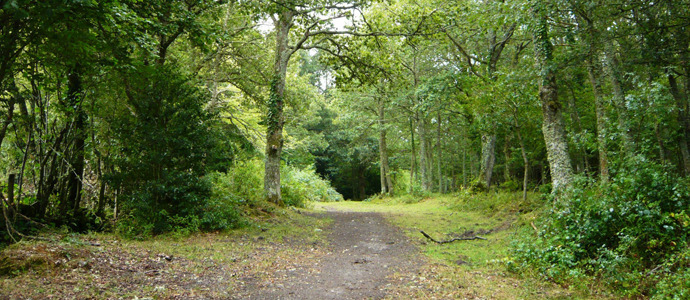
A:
{"points": [[452, 240], [535, 228]]}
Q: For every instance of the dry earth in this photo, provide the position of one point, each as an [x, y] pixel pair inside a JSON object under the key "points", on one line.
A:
{"points": [[363, 254], [358, 259]]}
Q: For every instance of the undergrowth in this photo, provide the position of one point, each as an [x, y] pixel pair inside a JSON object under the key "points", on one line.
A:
{"points": [[631, 234], [233, 199]]}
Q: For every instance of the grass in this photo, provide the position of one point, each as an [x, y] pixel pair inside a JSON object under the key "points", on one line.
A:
{"points": [[209, 265], [465, 269], [224, 264]]}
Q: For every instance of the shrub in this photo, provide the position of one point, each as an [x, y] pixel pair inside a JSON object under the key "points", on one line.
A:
{"points": [[616, 231], [244, 181], [511, 185], [477, 186], [161, 137], [300, 185]]}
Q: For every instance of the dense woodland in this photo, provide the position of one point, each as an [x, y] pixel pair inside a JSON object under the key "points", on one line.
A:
{"points": [[144, 117]]}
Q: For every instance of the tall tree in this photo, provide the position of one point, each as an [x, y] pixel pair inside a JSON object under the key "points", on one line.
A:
{"points": [[296, 25], [553, 127]]}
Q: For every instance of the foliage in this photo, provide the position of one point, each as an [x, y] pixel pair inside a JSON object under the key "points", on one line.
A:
{"points": [[617, 231], [242, 186], [302, 185], [244, 181], [163, 137]]}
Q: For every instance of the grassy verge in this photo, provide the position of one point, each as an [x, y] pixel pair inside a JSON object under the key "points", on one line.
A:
{"points": [[211, 265], [465, 269]]}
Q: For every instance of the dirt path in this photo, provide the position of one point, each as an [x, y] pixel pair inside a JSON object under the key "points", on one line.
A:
{"points": [[364, 251]]}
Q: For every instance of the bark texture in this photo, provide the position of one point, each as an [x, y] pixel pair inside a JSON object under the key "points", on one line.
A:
{"points": [[275, 119], [76, 168], [486, 168], [594, 71], [552, 127], [386, 183]]}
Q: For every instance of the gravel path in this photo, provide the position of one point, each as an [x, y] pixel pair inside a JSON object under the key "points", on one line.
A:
{"points": [[363, 251]]}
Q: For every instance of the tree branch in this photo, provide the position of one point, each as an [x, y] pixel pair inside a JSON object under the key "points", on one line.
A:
{"points": [[452, 240]]}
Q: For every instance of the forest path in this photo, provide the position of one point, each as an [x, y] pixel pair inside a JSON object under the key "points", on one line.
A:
{"points": [[363, 251]]}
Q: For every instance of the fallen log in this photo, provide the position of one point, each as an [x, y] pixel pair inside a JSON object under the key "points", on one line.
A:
{"points": [[453, 239]]}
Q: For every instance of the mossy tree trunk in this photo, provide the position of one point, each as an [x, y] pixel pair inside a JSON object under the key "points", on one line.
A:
{"points": [[552, 127], [275, 119]]}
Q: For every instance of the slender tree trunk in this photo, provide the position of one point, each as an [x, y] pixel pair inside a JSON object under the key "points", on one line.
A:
{"points": [[686, 107], [581, 159], [386, 183], [488, 158], [275, 119], [619, 100], [506, 157], [430, 161], [464, 166], [683, 120], [413, 156], [553, 128], [423, 155], [600, 107], [76, 168], [440, 152], [525, 161]]}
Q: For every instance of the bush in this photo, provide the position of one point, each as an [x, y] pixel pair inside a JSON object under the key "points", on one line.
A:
{"points": [[244, 183], [162, 139], [674, 278], [616, 231], [511, 185], [300, 185], [477, 186]]}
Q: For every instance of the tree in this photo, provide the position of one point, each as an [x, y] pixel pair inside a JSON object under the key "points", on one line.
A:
{"points": [[553, 128], [308, 21]]}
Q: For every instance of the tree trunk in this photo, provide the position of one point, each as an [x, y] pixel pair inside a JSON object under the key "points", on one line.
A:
{"points": [[439, 151], [581, 149], [413, 156], [682, 120], [685, 122], [8, 120], [619, 100], [275, 119], [525, 161], [76, 167], [386, 184], [506, 157], [488, 158], [464, 166], [423, 155], [553, 129], [600, 107]]}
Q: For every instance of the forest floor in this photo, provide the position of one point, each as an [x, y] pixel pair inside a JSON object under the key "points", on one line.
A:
{"points": [[345, 250]]}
